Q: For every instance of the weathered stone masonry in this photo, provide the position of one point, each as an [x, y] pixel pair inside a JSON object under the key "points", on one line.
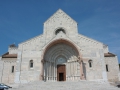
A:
{"points": [[59, 54]]}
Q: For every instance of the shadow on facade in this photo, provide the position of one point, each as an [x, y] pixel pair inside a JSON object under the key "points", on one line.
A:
{"points": [[84, 69]]}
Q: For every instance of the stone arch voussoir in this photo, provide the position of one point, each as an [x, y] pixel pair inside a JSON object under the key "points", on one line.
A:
{"points": [[57, 41]]}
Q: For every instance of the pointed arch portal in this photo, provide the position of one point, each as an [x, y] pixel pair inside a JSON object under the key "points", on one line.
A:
{"points": [[60, 61]]}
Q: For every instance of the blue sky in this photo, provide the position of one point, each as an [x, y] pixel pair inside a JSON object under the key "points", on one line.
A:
{"points": [[23, 19]]}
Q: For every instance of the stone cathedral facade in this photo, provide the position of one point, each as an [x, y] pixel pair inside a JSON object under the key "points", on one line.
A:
{"points": [[59, 54]]}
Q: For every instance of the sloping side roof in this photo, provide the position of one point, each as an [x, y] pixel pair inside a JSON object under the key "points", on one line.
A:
{"points": [[7, 55], [109, 54], [31, 38], [89, 38]]}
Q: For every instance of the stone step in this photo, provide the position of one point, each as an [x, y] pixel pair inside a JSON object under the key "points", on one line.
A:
{"points": [[78, 85]]}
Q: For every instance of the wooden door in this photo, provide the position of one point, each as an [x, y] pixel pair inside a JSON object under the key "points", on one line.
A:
{"points": [[61, 73]]}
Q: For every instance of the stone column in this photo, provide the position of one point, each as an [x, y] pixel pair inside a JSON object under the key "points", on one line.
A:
{"points": [[54, 71], [42, 71], [47, 69], [81, 68], [82, 74]]}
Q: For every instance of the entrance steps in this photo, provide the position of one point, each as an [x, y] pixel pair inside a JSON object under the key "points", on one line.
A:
{"points": [[75, 85]]}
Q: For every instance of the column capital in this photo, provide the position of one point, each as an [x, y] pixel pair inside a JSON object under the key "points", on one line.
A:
{"points": [[79, 59], [43, 61]]}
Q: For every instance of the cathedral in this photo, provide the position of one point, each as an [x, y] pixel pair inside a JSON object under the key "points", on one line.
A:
{"points": [[59, 54]]}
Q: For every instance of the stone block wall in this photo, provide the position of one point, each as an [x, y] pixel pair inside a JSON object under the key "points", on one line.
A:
{"points": [[113, 68], [60, 20], [30, 50], [92, 50], [28, 74], [1, 69], [7, 76], [12, 50]]}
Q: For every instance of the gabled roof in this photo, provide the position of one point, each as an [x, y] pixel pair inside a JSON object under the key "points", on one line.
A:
{"points": [[109, 54], [7, 55], [59, 11]]}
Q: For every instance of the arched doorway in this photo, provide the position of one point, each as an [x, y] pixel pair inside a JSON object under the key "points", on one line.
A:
{"points": [[59, 55], [61, 68], [61, 73]]}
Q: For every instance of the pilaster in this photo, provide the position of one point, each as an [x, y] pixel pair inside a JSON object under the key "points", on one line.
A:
{"points": [[18, 67]]}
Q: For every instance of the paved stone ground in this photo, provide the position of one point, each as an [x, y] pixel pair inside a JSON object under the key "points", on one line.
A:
{"points": [[77, 85]]}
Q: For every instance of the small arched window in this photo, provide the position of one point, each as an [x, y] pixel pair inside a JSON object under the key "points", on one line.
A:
{"points": [[60, 30], [90, 63], [31, 63]]}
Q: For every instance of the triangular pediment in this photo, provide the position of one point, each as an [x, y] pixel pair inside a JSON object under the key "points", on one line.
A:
{"points": [[60, 14]]}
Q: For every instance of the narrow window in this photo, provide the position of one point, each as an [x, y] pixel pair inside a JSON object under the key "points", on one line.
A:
{"points": [[90, 63], [12, 69], [31, 63], [106, 67]]}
